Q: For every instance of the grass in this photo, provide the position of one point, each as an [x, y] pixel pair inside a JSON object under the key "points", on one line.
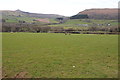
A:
{"points": [[74, 22], [50, 55]]}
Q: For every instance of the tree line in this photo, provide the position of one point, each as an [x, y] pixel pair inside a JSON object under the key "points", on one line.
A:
{"points": [[37, 28]]}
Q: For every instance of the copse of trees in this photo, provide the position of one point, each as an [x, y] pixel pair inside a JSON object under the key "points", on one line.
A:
{"points": [[61, 19], [20, 21], [80, 16]]}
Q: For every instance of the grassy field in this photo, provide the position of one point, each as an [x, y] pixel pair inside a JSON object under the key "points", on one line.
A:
{"points": [[50, 55], [74, 23]]}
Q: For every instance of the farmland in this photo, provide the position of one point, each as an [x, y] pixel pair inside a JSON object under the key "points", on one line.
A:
{"points": [[21, 21], [86, 23], [50, 55]]}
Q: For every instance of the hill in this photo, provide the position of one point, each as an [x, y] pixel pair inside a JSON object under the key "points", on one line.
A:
{"points": [[22, 13], [18, 15], [103, 13]]}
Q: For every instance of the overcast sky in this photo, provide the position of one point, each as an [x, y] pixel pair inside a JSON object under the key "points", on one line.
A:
{"points": [[62, 7]]}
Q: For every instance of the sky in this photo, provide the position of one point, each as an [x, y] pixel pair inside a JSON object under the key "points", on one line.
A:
{"points": [[61, 7]]}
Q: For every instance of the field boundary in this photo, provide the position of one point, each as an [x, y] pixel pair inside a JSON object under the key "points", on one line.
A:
{"points": [[0, 46], [80, 32]]}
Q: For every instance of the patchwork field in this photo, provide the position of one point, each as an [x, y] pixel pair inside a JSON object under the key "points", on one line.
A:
{"points": [[50, 55]]}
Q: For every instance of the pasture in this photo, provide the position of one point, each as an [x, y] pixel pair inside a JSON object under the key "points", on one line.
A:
{"points": [[50, 55]]}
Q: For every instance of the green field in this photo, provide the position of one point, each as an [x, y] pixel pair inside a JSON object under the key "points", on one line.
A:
{"points": [[50, 55], [90, 22], [78, 24]]}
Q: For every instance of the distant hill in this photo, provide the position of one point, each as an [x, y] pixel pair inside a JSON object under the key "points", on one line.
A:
{"points": [[28, 14], [18, 15], [105, 13]]}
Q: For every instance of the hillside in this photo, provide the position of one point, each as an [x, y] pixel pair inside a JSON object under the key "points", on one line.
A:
{"points": [[22, 13], [105, 13], [18, 15]]}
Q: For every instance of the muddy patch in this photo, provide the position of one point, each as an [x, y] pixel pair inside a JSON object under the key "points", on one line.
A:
{"points": [[21, 75]]}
